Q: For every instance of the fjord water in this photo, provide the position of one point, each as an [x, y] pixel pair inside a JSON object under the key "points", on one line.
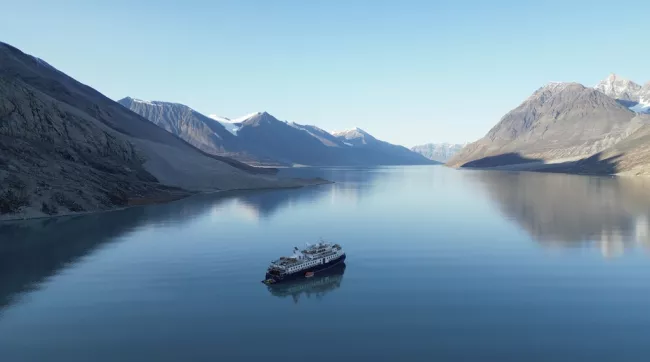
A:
{"points": [[443, 265]]}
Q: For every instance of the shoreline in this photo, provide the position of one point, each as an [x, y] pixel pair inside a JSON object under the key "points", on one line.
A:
{"points": [[162, 200], [566, 168]]}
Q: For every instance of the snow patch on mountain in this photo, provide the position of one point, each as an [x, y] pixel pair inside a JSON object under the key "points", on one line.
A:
{"points": [[355, 132], [145, 102], [243, 118], [227, 123], [302, 128], [642, 107], [556, 86], [219, 118], [230, 127]]}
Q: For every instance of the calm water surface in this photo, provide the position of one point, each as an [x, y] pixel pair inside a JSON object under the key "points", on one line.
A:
{"points": [[442, 265]]}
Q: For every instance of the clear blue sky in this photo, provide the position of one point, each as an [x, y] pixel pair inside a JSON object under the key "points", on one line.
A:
{"points": [[408, 72]]}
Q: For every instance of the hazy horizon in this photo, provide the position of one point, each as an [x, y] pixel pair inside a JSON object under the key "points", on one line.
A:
{"points": [[409, 73]]}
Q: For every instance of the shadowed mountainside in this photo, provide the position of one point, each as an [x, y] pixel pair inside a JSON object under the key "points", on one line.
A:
{"points": [[501, 160]]}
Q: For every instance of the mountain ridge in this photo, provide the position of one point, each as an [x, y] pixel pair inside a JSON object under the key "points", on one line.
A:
{"points": [[261, 135]]}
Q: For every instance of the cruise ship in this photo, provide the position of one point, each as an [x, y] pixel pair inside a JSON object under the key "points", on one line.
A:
{"points": [[305, 263]]}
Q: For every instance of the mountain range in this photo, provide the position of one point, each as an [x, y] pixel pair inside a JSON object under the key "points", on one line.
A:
{"points": [[440, 152], [66, 148], [568, 127], [261, 139]]}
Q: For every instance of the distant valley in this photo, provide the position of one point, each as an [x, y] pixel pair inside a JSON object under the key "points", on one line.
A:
{"points": [[440, 152]]}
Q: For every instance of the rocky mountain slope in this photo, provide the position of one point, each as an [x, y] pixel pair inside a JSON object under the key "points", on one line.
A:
{"points": [[260, 138], [559, 121], [200, 131], [440, 152], [264, 134], [631, 156], [64, 147]]}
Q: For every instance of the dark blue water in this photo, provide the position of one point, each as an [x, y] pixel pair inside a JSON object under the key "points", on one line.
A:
{"points": [[443, 265]]}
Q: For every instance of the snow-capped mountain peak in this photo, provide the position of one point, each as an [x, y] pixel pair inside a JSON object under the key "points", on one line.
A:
{"points": [[235, 124], [142, 101], [351, 133], [556, 86], [245, 117], [619, 88], [355, 136], [241, 119], [553, 88]]}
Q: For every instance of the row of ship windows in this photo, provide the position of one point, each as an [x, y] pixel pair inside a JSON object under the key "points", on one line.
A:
{"points": [[309, 264]]}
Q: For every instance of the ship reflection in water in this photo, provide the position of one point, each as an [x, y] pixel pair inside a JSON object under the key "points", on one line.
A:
{"points": [[316, 286]]}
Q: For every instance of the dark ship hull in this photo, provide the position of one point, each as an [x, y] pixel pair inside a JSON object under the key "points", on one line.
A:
{"points": [[316, 270], [322, 283]]}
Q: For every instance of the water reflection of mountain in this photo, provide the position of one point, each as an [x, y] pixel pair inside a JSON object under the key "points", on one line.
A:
{"points": [[350, 184], [263, 204], [558, 209], [317, 286], [32, 251]]}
